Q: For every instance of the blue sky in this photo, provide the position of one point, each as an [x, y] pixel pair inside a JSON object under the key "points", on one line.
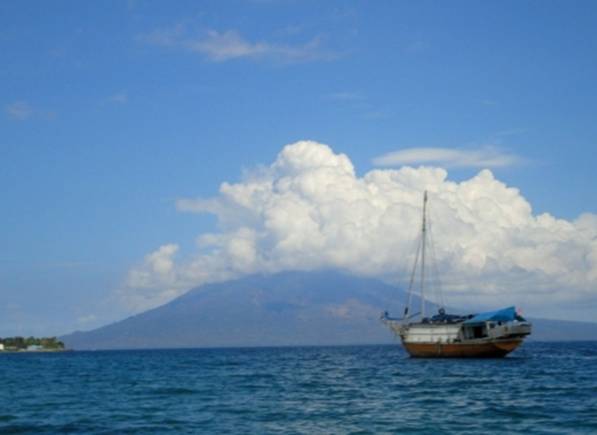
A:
{"points": [[113, 110]]}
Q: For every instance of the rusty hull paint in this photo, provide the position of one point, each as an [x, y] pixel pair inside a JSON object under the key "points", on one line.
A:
{"points": [[480, 349]]}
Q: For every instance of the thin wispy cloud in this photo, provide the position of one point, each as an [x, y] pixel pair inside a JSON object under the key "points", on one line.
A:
{"points": [[86, 319], [485, 157], [290, 30], [489, 102], [168, 37], [73, 264], [511, 132], [358, 102], [222, 46], [19, 110], [345, 96], [23, 111], [416, 47], [377, 114], [118, 98]]}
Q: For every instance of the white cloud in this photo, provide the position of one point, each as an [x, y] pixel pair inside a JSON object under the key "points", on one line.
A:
{"points": [[157, 280], [485, 157], [223, 46], [310, 210], [19, 110]]}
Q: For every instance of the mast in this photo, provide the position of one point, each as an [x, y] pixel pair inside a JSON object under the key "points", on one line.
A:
{"points": [[423, 237]]}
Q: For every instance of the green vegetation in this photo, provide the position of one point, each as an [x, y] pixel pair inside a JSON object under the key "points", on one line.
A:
{"points": [[22, 343]]}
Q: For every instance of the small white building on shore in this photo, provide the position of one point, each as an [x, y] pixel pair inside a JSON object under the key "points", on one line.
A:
{"points": [[1, 346]]}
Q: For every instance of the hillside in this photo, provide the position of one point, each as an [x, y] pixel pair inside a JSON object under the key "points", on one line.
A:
{"points": [[289, 308]]}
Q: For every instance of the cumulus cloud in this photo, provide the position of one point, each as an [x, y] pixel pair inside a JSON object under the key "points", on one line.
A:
{"points": [[221, 46], [486, 157], [309, 210], [156, 280]]}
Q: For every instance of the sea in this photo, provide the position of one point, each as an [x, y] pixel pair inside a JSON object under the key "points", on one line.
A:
{"points": [[547, 388]]}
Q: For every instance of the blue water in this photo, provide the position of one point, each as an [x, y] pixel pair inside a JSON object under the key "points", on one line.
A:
{"points": [[541, 388]]}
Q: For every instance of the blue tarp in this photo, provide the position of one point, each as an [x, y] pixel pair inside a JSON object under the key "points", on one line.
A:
{"points": [[503, 315]]}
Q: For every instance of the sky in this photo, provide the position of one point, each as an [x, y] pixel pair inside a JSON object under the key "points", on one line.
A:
{"points": [[133, 135]]}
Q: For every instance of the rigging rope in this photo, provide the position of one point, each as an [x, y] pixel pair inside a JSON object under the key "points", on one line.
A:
{"points": [[440, 291], [412, 279]]}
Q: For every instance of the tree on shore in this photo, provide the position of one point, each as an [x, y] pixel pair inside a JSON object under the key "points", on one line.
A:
{"points": [[19, 343]]}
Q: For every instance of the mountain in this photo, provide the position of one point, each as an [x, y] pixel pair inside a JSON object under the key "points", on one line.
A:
{"points": [[289, 308]]}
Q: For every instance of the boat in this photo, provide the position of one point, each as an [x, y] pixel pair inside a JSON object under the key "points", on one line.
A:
{"points": [[490, 334]]}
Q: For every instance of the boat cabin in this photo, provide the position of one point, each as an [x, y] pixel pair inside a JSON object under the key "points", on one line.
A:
{"points": [[494, 324]]}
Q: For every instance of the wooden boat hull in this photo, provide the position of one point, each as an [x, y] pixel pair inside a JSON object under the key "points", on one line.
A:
{"points": [[477, 349]]}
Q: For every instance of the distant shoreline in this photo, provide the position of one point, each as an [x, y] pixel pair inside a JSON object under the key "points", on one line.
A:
{"points": [[35, 351]]}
